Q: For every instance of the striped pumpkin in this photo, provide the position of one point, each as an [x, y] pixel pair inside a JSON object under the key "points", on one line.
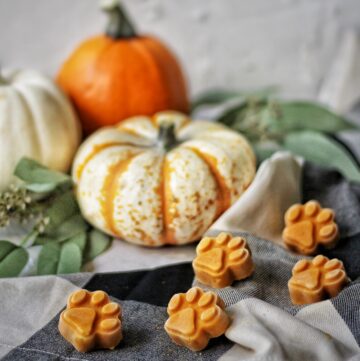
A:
{"points": [[162, 179]]}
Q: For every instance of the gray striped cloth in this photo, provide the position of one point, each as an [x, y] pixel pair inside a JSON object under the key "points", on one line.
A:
{"points": [[265, 325]]}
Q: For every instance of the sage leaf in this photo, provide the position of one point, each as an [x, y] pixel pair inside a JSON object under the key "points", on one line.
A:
{"points": [[62, 208], [214, 97], [12, 259], [70, 259], [5, 248], [33, 172], [79, 239], [260, 119], [98, 242], [43, 239], [320, 148], [48, 259], [217, 96], [69, 228], [41, 187], [296, 115]]}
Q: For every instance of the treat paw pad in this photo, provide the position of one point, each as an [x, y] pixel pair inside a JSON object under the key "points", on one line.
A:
{"points": [[222, 260], [316, 280], [90, 321], [309, 225], [195, 317]]}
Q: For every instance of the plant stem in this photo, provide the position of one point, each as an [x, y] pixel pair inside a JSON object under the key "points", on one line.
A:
{"points": [[119, 26], [28, 240], [166, 137]]}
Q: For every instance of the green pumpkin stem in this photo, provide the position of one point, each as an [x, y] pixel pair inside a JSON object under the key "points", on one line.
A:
{"points": [[119, 26], [166, 136]]}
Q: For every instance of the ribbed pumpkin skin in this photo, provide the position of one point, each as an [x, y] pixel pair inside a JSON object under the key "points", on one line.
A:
{"points": [[109, 80], [36, 121], [130, 187]]}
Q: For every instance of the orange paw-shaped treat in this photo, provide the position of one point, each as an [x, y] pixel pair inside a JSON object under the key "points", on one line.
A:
{"points": [[316, 280], [91, 321], [222, 260], [309, 225], [195, 317]]}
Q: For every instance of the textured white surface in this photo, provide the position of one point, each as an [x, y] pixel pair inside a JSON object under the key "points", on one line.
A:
{"points": [[232, 43]]}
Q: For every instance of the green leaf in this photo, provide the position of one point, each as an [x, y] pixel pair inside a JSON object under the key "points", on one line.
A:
{"points": [[260, 119], [63, 207], [58, 259], [41, 188], [33, 172], [79, 239], [243, 114], [98, 242], [321, 149], [12, 259], [217, 96], [43, 239], [69, 228], [5, 248], [70, 259], [48, 259], [298, 115]]}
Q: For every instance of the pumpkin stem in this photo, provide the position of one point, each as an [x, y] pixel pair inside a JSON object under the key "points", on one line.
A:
{"points": [[119, 25], [166, 137]]}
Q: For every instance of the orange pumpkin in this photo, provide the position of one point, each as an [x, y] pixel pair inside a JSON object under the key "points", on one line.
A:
{"points": [[119, 74]]}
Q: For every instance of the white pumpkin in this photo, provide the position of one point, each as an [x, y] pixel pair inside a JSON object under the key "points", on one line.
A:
{"points": [[162, 179], [37, 121]]}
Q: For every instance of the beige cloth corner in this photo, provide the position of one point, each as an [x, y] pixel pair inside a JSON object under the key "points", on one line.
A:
{"points": [[261, 209]]}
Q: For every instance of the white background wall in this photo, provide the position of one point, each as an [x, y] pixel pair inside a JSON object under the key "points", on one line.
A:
{"points": [[222, 43]]}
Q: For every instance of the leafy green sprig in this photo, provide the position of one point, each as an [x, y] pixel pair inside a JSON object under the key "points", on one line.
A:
{"points": [[46, 199], [305, 128]]}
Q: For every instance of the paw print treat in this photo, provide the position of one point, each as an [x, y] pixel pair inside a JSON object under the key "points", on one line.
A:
{"points": [[316, 280], [195, 317], [309, 225], [91, 321], [222, 260]]}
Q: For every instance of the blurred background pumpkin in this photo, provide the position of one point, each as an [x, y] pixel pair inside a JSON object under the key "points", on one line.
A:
{"points": [[119, 74], [37, 121], [162, 179]]}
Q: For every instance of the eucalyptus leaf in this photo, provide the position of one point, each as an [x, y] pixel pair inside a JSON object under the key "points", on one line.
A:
{"points": [[251, 118], [48, 259], [320, 148], [12, 259], [70, 259], [5, 248], [79, 239], [62, 208], [43, 239], [260, 119], [31, 171], [217, 96], [69, 228], [296, 115], [98, 242], [41, 187]]}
